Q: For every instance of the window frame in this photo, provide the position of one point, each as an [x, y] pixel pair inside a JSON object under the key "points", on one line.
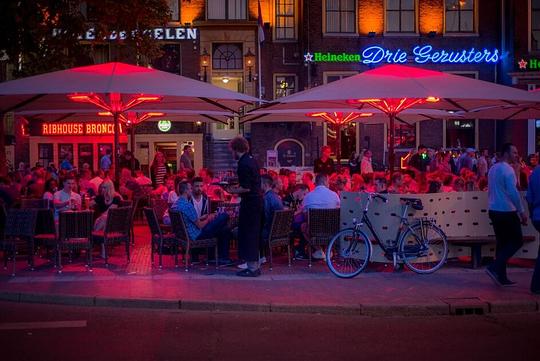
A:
{"points": [[50, 147], [530, 28], [226, 2], [476, 122], [340, 34], [400, 32], [276, 75], [178, 19], [295, 21], [215, 46], [459, 33]]}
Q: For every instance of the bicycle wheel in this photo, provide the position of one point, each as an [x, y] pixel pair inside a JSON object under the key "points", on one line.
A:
{"points": [[423, 247], [348, 253]]}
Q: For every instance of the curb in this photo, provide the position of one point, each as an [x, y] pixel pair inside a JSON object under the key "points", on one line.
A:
{"points": [[436, 308]]}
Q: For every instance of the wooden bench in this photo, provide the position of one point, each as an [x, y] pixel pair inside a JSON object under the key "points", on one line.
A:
{"points": [[476, 243]]}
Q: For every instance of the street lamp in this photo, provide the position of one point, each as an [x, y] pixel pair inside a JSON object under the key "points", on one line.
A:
{"points": [[205, 61], [249, 58]]}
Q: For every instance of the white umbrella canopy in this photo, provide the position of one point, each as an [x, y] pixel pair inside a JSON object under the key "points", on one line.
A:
{"points": [[367, 116], [394, 88], [517, 112], [116, 88], [49, 91]]}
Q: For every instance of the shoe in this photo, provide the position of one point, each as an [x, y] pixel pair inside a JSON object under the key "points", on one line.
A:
{"points": [[300, 256], [249, 273], [262, 260], [318, 254], [507, 283], [493, 276], [242, 265]]}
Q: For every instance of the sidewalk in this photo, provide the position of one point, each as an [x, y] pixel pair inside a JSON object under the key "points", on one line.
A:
{"points": [[455, 289]]}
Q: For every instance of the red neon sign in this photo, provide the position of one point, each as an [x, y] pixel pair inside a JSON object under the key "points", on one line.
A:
{"points": [[78, 129]]}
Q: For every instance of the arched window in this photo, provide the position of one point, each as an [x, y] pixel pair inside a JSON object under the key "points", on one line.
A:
{"points": [[227, 56]]}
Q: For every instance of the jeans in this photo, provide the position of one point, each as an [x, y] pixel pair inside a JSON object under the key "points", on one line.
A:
{"points": [[507, 227], [218, 228], [535, 282]]}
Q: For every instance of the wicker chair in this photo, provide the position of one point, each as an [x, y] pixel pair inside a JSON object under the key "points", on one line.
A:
{"points": [[116, 230], [35, 203], [18, 232], [160, 239], [160, 206], [45, 233], [323, 224], [280, 232], [134, 206], [180, 231], [75, 233]]}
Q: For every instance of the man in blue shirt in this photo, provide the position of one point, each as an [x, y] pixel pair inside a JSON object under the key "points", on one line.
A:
{"points": [[533, 200], [272, 203], [204, 227]]}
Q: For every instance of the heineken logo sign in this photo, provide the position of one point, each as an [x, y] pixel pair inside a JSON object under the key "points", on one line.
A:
{"points": [[528, 64]]}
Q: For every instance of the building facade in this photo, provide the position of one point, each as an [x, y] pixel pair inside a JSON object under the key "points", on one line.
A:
{"points": [[308, 43]]}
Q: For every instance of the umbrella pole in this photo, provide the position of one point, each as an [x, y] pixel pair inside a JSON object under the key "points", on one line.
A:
{"points": [[391, 153], [132, 145], [338, 146], [116, 162]]}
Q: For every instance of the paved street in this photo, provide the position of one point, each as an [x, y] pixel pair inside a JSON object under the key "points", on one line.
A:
{"points": [[45, 332]]}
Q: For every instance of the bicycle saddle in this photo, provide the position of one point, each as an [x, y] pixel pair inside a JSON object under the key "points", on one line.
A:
{"points": [[415, 203]]}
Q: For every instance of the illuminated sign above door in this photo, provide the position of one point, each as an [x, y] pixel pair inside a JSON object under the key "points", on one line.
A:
{"points": [[425, 54], [78, 129]]}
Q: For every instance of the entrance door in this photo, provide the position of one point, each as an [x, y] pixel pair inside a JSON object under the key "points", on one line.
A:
{"points": [[169, 150], [230, 130]]}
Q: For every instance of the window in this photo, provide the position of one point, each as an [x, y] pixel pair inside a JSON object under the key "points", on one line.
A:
{"points": [[284, 85], [86, 155], [65, 150], [459, 16], [175, 9], [227, 56], [226, 10], [401, 16], [462, 133], [535, 25], [404, 136], [340, 16], [45, 154], [285, 22]]}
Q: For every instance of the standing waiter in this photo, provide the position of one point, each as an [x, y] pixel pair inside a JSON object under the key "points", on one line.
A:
{"points": [[251, 206]]}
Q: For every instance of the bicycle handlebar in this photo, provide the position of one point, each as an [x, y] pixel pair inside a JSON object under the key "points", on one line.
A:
{"points": [[377, 195]]}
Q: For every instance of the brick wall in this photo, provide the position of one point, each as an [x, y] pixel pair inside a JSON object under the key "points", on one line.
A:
{"points": [[265, 136]]}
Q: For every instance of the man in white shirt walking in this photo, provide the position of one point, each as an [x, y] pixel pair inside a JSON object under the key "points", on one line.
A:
{"points": [[506, 213]]}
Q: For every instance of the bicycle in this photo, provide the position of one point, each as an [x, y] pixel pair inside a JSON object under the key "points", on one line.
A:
{"points": [[420, 244]]}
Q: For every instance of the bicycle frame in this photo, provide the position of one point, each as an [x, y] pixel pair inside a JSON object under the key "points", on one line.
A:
{"points": [[403, 225]]}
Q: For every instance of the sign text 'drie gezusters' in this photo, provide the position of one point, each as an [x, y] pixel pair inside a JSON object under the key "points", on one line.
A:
{"points": [[78, 129]]}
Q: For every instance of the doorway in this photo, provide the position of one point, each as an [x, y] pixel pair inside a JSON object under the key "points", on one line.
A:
{"points": [[169, 151]]}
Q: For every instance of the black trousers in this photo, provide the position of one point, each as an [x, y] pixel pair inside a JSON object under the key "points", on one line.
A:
{"points": [[249, 227], [535, 282], [507, 227]]}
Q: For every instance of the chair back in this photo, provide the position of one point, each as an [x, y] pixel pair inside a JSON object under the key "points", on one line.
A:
{"points": [[76, 225], [118, 220], [323, 223], [125, 203], [3, 215], [45, 221], [153, 222], [20, 223], [178, 225], [35, 203], [160, 206], [281, 224]]}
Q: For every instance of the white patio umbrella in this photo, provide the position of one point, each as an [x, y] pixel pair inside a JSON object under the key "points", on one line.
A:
{"points": [[395, 88], [116, 88]]}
